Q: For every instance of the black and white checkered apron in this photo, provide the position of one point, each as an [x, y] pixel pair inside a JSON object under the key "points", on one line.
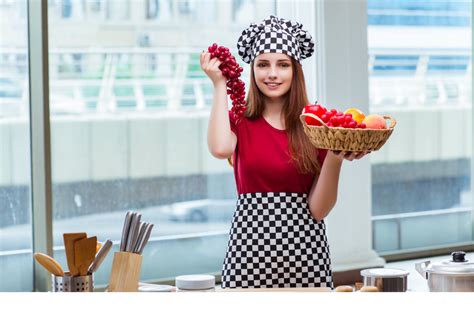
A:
{"points": [[275, 242]]}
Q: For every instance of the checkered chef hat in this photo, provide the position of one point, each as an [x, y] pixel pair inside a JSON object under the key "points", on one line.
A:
{"points": [[275, 35]]}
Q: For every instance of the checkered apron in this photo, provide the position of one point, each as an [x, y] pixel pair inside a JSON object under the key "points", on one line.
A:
{"points": [[275, 242]]}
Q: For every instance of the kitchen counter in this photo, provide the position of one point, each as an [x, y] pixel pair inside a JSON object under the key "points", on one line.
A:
{"points": [[415, 283]]}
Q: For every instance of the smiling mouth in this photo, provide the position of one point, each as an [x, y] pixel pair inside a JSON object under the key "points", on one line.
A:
{"points": [[273, 85]]}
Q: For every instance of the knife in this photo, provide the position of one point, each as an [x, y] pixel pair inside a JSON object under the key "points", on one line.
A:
{"points": [[100, 257], [141, 233], [136, 235], [133, 233], [147, 237], [126, 228]]}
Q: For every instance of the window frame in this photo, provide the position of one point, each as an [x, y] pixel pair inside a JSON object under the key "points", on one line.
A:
{"points": [[40, 138]]}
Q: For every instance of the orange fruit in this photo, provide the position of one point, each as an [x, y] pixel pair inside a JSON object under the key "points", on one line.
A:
{"points": [[357, 114]]}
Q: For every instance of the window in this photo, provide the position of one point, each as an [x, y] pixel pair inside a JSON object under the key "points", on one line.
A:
{"points": [[128, 132], [16, 266], [420, 72]]}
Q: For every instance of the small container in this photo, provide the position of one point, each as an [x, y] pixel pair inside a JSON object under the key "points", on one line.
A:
{"points": [[195, 283], [68, 283], [386, 279]]}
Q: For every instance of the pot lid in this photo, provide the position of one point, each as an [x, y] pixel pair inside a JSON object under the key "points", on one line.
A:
{"points": [[384, 272], [458, 264]]}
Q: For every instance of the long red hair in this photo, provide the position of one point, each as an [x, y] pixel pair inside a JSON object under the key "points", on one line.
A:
{"points": [[302, 153]]}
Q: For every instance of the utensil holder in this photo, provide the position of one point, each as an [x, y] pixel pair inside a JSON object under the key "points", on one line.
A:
{"points": [[125, 274], [68, 283]]}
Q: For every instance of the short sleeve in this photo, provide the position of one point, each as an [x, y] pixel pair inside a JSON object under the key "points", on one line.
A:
{"points": [[233, 123], [322, 156]]}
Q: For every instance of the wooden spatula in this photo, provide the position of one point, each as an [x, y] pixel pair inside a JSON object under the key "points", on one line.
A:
{"points": [[99, 245], [84, 253], [69, 239]]}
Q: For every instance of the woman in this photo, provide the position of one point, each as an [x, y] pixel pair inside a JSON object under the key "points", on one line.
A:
{"points": [[285, 186]]}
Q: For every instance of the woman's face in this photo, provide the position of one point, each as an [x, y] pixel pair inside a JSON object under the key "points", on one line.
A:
{"points": [[273, 74]]}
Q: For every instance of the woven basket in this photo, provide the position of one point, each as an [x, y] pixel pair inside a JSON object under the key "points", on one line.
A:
{"points": [[346, 139]]}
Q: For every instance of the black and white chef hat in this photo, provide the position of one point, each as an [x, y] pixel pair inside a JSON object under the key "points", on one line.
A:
{"points": [[275, 35]]}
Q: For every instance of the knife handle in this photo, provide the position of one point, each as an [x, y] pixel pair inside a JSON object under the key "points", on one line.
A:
{"points": [[126, 227], [147, 237], [133, 233], [100, 257], [139, 239]]}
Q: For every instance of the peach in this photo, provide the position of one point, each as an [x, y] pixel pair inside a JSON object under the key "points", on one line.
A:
{"points": [[375, 121]]}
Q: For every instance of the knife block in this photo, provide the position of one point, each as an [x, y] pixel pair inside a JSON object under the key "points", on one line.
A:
{"points": [[125, 274]]}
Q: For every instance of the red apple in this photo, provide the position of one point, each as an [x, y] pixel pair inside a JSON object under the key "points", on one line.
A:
{"points": [[315, 109]]}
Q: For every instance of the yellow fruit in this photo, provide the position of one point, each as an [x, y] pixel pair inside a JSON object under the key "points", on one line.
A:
{"points": [[357, 114]]}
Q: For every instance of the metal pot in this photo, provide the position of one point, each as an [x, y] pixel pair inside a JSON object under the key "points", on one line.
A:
{"points": [[386, 279], [456, 274]]}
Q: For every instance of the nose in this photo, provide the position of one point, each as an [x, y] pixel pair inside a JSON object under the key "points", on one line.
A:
{"points": [[272, 73]]}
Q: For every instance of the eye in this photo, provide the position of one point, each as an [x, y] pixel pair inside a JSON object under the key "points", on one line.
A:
{"points": [[285, 65], [261, 65]]}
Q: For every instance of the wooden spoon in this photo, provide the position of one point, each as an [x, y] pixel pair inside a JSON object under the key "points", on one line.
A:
{"points": [[50, 264]]}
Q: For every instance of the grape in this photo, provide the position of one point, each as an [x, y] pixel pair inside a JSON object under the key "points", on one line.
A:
{"points": [[231, 71]]}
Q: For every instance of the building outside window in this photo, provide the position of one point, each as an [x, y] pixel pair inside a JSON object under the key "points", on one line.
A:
{"points": [[16, 267], [420, 71]]}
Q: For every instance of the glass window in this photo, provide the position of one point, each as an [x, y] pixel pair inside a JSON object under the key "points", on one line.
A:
{"points": [[420, 72], [129, 130], [16, 265]]}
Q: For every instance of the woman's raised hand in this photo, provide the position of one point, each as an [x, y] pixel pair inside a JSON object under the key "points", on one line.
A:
{"points": [[211, 68], [348, 155]]}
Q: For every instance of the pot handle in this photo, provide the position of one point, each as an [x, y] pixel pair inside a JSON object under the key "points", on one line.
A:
{"points": [[421, 268]]}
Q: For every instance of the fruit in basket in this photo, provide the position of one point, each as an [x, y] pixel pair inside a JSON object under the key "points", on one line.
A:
{"points": [[357, 114], [231, 70], [340, 119], [375, 121], [333, 117], [341, 131], [315, 109]]}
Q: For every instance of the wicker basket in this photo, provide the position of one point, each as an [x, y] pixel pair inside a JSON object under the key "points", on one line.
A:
{"points": [[346, 139]]}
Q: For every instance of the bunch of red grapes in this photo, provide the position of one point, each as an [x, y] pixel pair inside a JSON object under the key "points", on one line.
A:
{"points": [[231, 71]]}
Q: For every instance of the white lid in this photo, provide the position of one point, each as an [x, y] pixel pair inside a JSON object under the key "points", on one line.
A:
{"points": [[145, 287], [195, 282], [384, 272], [457, 265], [448, 267]]}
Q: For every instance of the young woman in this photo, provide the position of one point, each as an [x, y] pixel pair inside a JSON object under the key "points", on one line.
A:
{"points": [[285, 186]]}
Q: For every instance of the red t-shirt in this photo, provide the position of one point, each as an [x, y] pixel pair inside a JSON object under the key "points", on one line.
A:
{"points": [[262, 161]]}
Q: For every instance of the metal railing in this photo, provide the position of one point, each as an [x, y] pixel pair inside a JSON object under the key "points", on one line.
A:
{"points": [[398, 219], [110, 80]]}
